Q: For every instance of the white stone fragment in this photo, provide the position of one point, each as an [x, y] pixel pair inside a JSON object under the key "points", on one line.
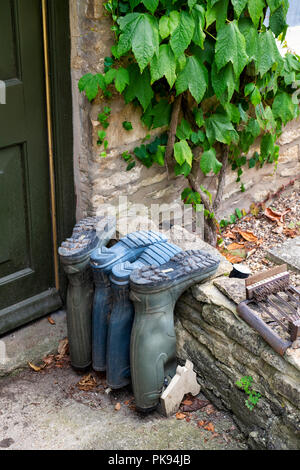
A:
{"points": [[183, 382]]}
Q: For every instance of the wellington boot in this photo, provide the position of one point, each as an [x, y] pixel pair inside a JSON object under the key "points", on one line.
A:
{"points": [[154, 291]]}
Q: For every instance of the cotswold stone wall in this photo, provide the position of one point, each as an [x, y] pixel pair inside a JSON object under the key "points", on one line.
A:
{"points": [[99, 180], [224, 348]]}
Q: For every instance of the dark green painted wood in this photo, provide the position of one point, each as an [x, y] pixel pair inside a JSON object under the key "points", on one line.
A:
{"points": [[26, 257], [60, 50]]}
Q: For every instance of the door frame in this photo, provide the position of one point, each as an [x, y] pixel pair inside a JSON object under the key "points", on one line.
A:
{"points": [[59, 41], [59, 44]]}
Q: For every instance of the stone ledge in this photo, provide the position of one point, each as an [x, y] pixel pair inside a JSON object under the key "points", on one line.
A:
{"points": [[224, 348]]}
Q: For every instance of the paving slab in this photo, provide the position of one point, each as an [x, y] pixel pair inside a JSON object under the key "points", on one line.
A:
{"points": [[46, 410], [31, 342], [288, 252]]}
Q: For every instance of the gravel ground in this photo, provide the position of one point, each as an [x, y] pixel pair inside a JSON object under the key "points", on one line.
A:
{"points": [[268, 233]]}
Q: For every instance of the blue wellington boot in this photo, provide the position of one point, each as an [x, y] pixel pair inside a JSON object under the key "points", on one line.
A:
{"points": [[154, 291], [88, 235], [122, 313], [103, 260]]}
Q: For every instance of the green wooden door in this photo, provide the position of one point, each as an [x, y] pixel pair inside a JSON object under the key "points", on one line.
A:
{"points": [[26, 257]]}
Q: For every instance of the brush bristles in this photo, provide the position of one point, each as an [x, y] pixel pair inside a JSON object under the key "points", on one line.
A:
{"points": [[273, 287]]}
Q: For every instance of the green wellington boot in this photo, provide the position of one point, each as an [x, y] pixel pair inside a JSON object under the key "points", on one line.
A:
{"points": [[89, 234], [154, 291]]}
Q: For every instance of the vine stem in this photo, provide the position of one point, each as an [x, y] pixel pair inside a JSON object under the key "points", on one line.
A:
{"points": [[169, 161], [221, 181]]}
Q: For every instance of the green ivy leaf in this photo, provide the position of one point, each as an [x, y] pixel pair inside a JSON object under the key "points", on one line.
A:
{"points": [[217, 12], [183, 153], [274, 4], [267, 145], [90, 84], [164, 65], [231, 47], [151, 5], [139, 33], [209, 162], [159, 156], [161, 113], [164, 27], [268, 54], [127, 126], [223, 82], [139, 86], [183, 34], [184, 130], [256, 8], [184, 169], [250, 34], [283, 107], [110, 76], [198, 13], [220, 128], [122, 79], [278, 21], [239, 6], [193, 77]]}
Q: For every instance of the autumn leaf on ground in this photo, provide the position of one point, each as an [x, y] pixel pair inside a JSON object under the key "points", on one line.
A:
{"points": [[210, 427], [51, 321], [254, 209], [49, 360], [87, 383], [277, 217], [187, 402], [36, 368], [63, 348], [233, 259], [248, 236], [291, 233], [209, 409], [235, 246], [118, 407], [201, 423], [195, 405], [180, 415], [229, 234]]}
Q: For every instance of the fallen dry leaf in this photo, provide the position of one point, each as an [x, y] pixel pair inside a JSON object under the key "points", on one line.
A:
{"points": [[118, 407], [201, 423], [195, 405], [188, 419], [87, 382], [233, 258], [126, 402], [291, 233], [187, 402], [277, 217], [180, 415], [248, 236], [49, 360], [51, 321], [63, 348], [36, 368], [235, 246], [229, 234], [210, 427], [254, 209]]}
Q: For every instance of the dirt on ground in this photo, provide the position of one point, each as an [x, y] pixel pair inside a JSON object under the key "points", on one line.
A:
{"points": [[51, 406], [267, 225]]}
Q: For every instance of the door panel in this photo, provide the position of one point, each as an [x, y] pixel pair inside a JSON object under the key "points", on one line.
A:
{"points": [[26, 257]]}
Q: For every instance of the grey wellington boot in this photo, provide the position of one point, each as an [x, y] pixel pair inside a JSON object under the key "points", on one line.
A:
{"points": [[122, 312], [88, 235], [154, 291], [129, 248]]}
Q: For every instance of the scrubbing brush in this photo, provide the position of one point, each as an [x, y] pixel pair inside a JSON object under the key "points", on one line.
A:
{"points": [[272, 295]]}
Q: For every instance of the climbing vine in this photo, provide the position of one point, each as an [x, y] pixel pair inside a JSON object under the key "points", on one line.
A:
{"points": [[209, 70]]}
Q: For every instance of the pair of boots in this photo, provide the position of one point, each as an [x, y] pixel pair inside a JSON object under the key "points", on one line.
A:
{"points": [[156, 282], [113, 312]]}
